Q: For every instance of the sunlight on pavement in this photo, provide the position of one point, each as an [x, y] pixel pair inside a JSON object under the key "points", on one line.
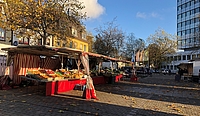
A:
{"points": [[168, 86], [142, 103], [167, 107]]}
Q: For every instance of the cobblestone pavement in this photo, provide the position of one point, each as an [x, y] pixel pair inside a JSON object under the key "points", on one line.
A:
{"points": [[158, 95]]}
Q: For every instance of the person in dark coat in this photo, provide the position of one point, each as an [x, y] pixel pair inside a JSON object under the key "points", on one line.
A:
{"points": [[177, 77], [169, 72], [180, 72]]}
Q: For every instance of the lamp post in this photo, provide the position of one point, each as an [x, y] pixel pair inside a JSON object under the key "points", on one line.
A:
{"points": [[149, 59], [142, 46], [133, 60]]}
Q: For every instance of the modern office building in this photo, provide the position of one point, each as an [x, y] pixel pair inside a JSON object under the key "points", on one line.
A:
{"points": [[188, 28], [188, 15]]}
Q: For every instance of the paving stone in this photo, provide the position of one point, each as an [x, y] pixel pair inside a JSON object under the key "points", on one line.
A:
{"points": [[157, 95]]}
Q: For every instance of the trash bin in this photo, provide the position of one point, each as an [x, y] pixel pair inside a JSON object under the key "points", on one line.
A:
{"points": [[113, 79]]}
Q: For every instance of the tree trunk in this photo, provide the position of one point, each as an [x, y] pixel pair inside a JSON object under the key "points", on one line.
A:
{"points": [[44, 37], [29, 41], [11, 41], [44, 41]]}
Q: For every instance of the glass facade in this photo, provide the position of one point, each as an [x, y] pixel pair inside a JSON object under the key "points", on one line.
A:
{"points": [[188, 23]]}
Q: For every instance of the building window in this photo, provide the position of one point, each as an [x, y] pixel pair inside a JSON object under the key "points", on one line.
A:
{"points": [[2, 35], [48, 41], [179, 33], [83, 36], [175, 58], [198, 55], [75, 45], [164, 67], [179, 25], [167, 66], [184, 57], [171, 67], [193, 56], [84, 47], [74, 32], [71, 44], [189, 41], [64, 44], [39, 41], [58, 43], [179, 8], [175, 67], [179, 57], [188, 57], [168, 58], [171, 58], [21, 40], [196, 1], [188, 31], [81, 46], [183, 6], [183, 24]]}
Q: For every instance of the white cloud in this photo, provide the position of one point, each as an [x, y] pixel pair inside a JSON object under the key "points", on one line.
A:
{"points": [[92, 8], [141, 15], [149, 15], [153, 14]]}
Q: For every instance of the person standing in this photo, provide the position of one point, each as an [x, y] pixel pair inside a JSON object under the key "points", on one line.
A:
{"points": [[169, 72], [177, 77]]}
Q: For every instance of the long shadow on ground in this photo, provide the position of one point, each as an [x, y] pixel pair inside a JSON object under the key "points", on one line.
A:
{"points": [[157, 90], [20, 103]]}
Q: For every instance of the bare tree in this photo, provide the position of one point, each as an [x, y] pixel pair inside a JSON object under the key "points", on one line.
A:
{"points": [[132, 45], [109, 40]]}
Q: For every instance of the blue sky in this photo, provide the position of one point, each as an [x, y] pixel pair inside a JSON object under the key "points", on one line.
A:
{"points": [[141, 17]]}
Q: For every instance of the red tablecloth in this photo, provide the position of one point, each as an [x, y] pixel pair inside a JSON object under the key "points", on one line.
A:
{"points": [[98, 80], [118, 77], [62, 86], [55, 87], [50, 88]]}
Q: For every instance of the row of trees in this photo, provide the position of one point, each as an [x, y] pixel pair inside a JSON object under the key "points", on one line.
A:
{"points": [[112, 41], [41, 18]]}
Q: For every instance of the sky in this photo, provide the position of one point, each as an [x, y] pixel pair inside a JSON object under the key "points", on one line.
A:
{"points": [[141, 17]]}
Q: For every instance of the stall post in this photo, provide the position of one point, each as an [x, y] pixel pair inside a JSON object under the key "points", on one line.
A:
{"points": [[62, 63], [134, 78], [89, 92]]}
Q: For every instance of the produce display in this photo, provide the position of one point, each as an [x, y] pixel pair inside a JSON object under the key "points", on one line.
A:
{"points": [[106, 72], [50, 75]]}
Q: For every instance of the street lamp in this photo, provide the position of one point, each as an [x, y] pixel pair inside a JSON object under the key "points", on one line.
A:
{"points": [[142, 46]]}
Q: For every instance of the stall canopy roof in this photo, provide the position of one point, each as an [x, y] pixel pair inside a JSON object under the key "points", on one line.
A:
{"points": [[4, 46], [43, 50], [53, 51], [184, 65]]}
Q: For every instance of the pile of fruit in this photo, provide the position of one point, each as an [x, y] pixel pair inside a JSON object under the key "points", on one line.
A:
{"points": [[60, 74]]}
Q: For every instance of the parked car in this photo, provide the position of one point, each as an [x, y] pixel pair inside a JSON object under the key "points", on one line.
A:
{"points": [[142, 71], [165, 71]]}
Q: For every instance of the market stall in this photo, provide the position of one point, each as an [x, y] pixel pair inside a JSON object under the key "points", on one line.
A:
{"points": [[103, 76], [46, 64]]}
